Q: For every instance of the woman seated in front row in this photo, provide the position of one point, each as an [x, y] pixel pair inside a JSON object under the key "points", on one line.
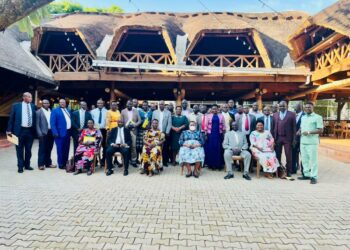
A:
{"points": [[89, 145], [191, 151], [262, 147], [151, 156]]}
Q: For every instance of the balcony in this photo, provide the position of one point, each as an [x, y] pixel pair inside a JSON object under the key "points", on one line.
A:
{"points": [[68, 63], [232, 61], [332, 56]]}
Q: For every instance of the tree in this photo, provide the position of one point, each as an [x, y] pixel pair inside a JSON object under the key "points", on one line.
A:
{"points": [[67, 6], [14, 10]]}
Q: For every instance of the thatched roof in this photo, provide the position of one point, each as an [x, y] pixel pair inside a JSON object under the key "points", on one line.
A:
{"points": [[14, 56], [273, 30], [335, 17]]}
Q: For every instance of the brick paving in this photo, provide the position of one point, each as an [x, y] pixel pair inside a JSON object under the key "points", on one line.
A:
{"points": [[54, 210]]}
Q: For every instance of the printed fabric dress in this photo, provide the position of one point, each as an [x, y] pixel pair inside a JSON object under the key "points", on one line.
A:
{"points": [[84, 155], [152, 157], [191, 155], [267, 157], [146, 118]]}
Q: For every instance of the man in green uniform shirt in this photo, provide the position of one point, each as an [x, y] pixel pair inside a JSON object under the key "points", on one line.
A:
{"points": [[310, 129]]}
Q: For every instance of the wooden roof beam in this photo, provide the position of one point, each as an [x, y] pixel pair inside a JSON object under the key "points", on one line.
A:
{"points": [[323, 88]]}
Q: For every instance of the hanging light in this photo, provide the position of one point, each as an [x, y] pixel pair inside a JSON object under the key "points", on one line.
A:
{"points": [[244, 43], [322, 38], [65, 33], [249, 48], [237, 38], [305, 30], [254, 51], [75, 49], [68, 39], [314, 34], [72, 44]]}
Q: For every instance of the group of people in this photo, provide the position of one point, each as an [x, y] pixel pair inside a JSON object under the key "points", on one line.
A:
{"points": [[152, 137]]}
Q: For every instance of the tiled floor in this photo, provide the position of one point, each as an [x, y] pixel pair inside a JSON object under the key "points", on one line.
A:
{"points": [[52, 209]]}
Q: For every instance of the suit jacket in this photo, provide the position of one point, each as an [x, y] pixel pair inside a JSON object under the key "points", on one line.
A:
{"points": [[135, 117], [42, 126], [58, 122], [262, 118], [231, 143], [113, 136], [15, 122], [252, 125], [167, 123], [288, 125], [76, 120]]}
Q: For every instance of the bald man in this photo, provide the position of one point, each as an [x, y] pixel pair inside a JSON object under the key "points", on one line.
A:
{"points": [[22, 124]]}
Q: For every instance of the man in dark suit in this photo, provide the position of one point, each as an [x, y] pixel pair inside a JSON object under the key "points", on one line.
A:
{"points": [[22, 124], [246, 122], [61, 124], [296, 149], [43, 129], [79, 122], [284, 130], [119, 140], [267, 119]]}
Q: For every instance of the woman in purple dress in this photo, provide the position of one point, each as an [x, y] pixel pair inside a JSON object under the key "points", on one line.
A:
{"points": [[214, 128]]}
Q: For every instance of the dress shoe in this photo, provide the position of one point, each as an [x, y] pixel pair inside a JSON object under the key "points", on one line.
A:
{"points": [[89, 172], [78, 172], [29, 168], [289, 175], [313, 181], [303, 178], [134, 165], [109, 172], [51, 166], [20, 171], [195, 175], [229, 176], [41, 168], [247, 177], [126, 172], [156, 171], [188, 175], [142, 171], [165, 164]]}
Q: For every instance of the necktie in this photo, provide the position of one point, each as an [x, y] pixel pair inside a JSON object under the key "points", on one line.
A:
{"points": [[100, 117], [266, 123], [29, 116], [246, 126]]}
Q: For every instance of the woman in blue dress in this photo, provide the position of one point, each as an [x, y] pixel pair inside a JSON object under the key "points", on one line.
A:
{"points": [[214, 129], [191, 151], [179, 124]]}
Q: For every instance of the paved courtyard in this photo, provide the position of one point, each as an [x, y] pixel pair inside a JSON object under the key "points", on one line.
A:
{"points": [[54, 210]]}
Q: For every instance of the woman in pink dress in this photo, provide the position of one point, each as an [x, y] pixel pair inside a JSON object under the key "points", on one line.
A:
{"points": [[262, 147]]}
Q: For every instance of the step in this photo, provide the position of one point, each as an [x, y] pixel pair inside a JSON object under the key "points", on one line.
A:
{"points": [[338, 153]]}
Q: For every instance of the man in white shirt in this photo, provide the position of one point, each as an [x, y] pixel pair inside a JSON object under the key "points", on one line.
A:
{"points": [[246, 122], [99, 116], [267, 119], [44, 132], [61, 123], [119, 140], [226, 116]]}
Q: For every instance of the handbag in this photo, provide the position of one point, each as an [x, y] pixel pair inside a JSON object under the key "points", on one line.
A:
{"points": [[70, 166]]}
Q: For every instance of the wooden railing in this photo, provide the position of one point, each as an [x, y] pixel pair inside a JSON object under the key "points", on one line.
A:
{"points": [[68, 63], [233, 61], [333, 55], [159, 58]]}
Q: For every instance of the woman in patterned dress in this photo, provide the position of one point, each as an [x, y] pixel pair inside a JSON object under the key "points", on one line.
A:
{"points": [[89, 144], [191, 151], [152, 150], [146, 117], [262, 147]]}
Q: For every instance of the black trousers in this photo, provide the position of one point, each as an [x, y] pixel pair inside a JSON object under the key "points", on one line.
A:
{"points": [[24, 148], [295, 159], [45, 148], [109, 156], [166, 151], [75, 136], [103, 145]]}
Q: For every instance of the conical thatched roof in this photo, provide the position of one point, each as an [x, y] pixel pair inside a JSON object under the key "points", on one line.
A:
{"points": [[272, 29]]}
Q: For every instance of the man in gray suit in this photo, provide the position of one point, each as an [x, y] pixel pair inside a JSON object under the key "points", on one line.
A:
{"points": [[235, 143], [164, 124], [46, 140], [132, 120]]}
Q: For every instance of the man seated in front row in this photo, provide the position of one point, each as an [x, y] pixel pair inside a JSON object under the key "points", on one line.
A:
{"points": [[119, 140], [235, 143]]}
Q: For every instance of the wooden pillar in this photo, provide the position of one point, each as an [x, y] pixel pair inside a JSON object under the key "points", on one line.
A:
{"points": [[112, 93], [339, 109], [259, 101], [179, 95]]}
